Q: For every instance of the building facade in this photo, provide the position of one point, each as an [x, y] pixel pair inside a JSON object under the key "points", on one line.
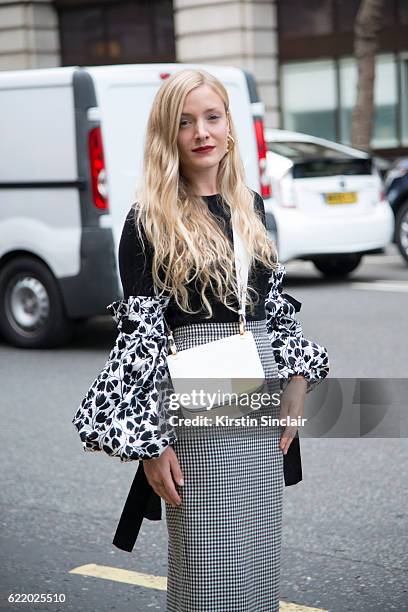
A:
{"points": [[301, 53]]}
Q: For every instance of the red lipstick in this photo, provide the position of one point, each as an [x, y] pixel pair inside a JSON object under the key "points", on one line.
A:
{"points": [[205, 149]]}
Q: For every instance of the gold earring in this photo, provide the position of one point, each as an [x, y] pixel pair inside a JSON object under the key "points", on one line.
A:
{"points": [[231, 140]]}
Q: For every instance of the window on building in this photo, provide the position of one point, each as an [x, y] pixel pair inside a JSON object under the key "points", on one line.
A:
{"points": [[299, 18], [346, 13], [385, 100], [309, 97], [403, 11], [114, 31], [348, 84], [404, 98]]}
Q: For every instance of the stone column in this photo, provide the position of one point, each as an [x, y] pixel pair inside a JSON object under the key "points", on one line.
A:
{"points": [[28, 35], [232, 32]]}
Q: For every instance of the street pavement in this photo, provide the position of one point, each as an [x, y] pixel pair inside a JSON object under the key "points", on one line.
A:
{"points": [[345, 525]]}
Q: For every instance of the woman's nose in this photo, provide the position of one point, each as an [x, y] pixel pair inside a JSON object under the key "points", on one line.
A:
{"points": [[201, 130]]}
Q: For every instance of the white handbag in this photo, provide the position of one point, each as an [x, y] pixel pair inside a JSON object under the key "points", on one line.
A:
{"points": [[222, 373]]}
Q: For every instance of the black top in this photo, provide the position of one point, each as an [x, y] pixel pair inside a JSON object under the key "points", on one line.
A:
{"points": [[136, 271]]}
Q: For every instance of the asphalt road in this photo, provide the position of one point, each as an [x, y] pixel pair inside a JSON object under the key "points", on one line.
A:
{"points": [[345, 524]]}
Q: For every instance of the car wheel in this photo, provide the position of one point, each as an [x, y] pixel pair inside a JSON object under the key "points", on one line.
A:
{"points": [[401, 230], [338, 266], [31, 309]]}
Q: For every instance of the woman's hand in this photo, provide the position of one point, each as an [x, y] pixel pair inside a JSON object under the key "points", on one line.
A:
{"points": [[162, 473], [292, 405]]}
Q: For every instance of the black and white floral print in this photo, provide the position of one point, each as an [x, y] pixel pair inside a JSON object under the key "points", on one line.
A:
{"points": [[294, 354], [123, 413]]}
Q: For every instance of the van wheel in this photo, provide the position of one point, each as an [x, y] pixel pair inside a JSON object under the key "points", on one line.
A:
{"points": [[31, 309], [338, 266], [401, 230]]}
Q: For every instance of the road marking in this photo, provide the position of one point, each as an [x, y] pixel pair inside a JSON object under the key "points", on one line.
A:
{"points": [[120, 575], [383, 259], [157, 582], [382, 285], [291, 607]]}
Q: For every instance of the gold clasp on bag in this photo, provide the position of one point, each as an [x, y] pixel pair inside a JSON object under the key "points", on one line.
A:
{"points": [[241, 311], [170, 338], [241, 323]]}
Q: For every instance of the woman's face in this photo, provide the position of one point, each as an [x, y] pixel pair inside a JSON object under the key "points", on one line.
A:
{"points": [[203, 123]]}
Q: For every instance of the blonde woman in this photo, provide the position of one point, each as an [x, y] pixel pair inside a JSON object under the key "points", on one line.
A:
{"points": [[222, 487]]}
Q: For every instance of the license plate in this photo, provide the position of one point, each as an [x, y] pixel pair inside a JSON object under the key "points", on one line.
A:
{"points": [[346, 197]]}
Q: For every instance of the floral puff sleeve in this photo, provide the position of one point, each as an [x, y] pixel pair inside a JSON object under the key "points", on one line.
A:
{"points": [[125, 412], [294, 354]]}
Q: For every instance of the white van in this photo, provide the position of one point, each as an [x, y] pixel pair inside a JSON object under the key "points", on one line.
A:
{"points": [[71, 149]]}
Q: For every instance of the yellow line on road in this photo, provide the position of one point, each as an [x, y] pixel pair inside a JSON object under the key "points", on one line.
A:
{"points": [[121, 575], [291, 607], [156, 582], [392, 286]]}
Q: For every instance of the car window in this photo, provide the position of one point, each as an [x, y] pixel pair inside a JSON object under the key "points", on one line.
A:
{"points": [[331, 167], [305, 150]]}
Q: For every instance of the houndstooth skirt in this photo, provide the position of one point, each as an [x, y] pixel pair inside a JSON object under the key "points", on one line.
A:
{"points": [[224, 544]]}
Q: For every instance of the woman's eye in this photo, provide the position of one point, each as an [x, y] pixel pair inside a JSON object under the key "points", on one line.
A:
{"points": [[185, 122]]}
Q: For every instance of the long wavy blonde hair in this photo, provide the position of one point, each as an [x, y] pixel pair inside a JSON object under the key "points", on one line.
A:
{"points": [[190, 248]]}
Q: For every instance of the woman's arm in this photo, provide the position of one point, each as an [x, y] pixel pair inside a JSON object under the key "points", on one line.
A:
{"points": [[296, 357], [122, 412], [135, 260], [135, 264], [294, 354]]}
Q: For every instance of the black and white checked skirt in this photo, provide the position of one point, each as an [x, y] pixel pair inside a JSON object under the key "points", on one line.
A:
{"points": [[224, 544]]}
